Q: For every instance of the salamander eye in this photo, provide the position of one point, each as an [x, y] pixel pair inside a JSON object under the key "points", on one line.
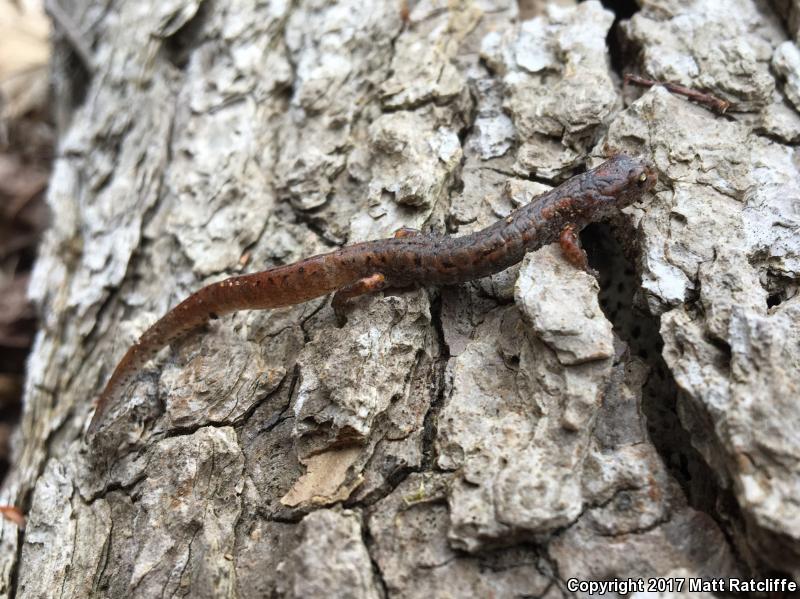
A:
{"points": [[641, 179]]}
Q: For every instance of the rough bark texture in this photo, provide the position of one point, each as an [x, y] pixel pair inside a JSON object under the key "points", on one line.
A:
{"points": [[496, 438]]}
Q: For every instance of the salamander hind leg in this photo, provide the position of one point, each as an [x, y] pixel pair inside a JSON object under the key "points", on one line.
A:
{"points": [[369, 284], [571, 248]]}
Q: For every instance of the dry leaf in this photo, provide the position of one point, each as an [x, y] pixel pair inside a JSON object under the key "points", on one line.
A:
{"points": [[325, 480]]}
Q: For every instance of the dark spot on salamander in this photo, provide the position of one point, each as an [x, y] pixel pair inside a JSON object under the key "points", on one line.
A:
{"points": [[418, 260], [213, 315], [447, 264], [301, 269]]}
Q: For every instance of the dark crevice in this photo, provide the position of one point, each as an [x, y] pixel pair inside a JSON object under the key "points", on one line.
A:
{"points": [[775, 299], [392, 481], [292, 520], [623, 10], [779, 288], [289, 379], [71, 60], [660, 394], [774, 138], [15, 566], [438, 389], [369, 544], [117, 486], [322, 303], [640, 331], [179, 46]]}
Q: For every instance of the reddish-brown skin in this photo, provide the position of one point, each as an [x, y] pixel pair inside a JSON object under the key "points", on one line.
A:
{"points": [[407, 260]]}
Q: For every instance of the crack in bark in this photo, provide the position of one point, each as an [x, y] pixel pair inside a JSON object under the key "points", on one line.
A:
{"points": [[117, 486], [430, 421], [68, 568], [183, 569], [369, 544], [106, 556], [15, 566], [664, 428]]}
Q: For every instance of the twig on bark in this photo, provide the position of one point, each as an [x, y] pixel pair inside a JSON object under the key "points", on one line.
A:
{"points": [[713, 102]]}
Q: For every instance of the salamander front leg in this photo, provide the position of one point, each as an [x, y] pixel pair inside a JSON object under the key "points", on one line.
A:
{"points": [[572, 250], [406, 232], [369, 284]]}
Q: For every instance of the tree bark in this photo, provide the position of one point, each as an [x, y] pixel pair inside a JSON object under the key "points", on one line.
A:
{"points": [[497, 438]]}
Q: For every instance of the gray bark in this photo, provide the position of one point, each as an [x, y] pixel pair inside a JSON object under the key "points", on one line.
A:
{"points": [[499, 437]]}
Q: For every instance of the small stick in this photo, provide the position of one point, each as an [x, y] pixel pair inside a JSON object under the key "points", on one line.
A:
{"points": [[713, 102]]}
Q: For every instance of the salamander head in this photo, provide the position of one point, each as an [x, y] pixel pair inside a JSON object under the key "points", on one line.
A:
{"points": [[624, 179]]}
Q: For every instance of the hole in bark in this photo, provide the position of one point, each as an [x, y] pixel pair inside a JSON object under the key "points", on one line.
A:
{"points": [[660, 393], [774, 299], [779, 288], [618, 284], [622, 9]]}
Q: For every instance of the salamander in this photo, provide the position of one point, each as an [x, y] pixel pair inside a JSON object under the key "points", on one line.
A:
{"points": [[408, 259]]}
